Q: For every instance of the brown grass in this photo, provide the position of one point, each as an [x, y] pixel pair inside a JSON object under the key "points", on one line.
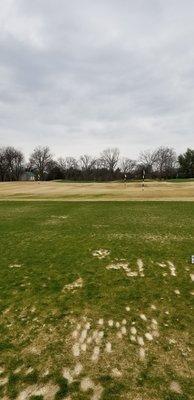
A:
{"points": [[96, 191]]}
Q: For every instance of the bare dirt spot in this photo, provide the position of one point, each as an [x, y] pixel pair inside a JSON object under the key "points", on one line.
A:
{"points": [[192, 277], [15, 266], [175, 387], [48, 391], [101, 253], [73, 286]]}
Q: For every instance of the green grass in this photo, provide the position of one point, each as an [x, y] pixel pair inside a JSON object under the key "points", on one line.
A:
{"points": [[38, 315]]}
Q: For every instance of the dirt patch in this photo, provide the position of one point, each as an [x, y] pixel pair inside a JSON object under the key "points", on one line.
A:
{"points": [[15, 266], [74, 285], [48, 391], [101, 253], [175, 387]]}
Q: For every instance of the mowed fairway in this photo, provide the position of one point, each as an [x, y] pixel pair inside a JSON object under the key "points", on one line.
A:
{"points": [[96, 191], [96, 300]]}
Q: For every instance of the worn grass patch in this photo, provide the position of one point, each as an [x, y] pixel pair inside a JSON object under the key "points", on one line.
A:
{"points": [[96, 300]]}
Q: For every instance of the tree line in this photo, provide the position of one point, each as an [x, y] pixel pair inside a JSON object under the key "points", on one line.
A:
{"points": [[161, 163]]}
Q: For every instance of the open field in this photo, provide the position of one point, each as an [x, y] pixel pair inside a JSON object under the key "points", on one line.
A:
{"points": [[96, 299], [97, 191]]}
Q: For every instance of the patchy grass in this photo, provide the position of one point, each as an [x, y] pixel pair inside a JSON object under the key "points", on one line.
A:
{"points": [[89, 273]]}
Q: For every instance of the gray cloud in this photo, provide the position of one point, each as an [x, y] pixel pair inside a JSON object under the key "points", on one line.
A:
{"points": [[80, 76]]}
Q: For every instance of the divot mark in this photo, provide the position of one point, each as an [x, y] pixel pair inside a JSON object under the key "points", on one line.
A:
{"points": [[97, 393], [15, 266], [67, 375], [86, 384], [83, 347], [133, 330], [163, 265], [78, 369], [192, 277], [140, 267], [95, 354], [76, 350], [123, 330], [48, 391], [75, 334], [143, 317], [108, 347], [101, 253], [142, 354], [119, 335], [4, 381], [140, 340], [172, 268], [116, 373], [73, 286], [83, 336], [175, 387], [148, 336]]}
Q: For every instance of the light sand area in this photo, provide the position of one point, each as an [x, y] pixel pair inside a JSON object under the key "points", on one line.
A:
{"points": [[75, 191]]}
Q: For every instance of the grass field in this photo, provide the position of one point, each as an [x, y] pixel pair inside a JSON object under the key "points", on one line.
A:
{"points": [[95, 191], [96, 300]]}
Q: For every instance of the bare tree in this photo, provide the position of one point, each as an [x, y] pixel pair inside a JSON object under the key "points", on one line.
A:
{"points": [[127, 166], [109, 158], [40, 161], [3, 165], [87, 162], [67, 163], [165, 161], [12, 163], [146, 161]]}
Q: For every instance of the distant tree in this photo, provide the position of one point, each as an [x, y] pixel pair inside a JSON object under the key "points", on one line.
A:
{"points": [[3, 165], [87, 165], [186, 162], [109, 159], [127, 166], [69, 168], [41, 161], [165, 162], [11, 163], [146, 162], [68, 162], [87, 162]]}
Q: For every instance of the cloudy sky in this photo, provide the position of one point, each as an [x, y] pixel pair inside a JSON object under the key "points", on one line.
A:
{"points": [[83, 75]]}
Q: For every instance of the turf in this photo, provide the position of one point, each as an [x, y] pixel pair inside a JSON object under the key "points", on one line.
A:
{"points": [[46, 246], [97, 191]]}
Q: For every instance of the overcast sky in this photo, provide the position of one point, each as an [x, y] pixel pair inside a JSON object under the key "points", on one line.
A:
{"points": [[83, 75]]}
